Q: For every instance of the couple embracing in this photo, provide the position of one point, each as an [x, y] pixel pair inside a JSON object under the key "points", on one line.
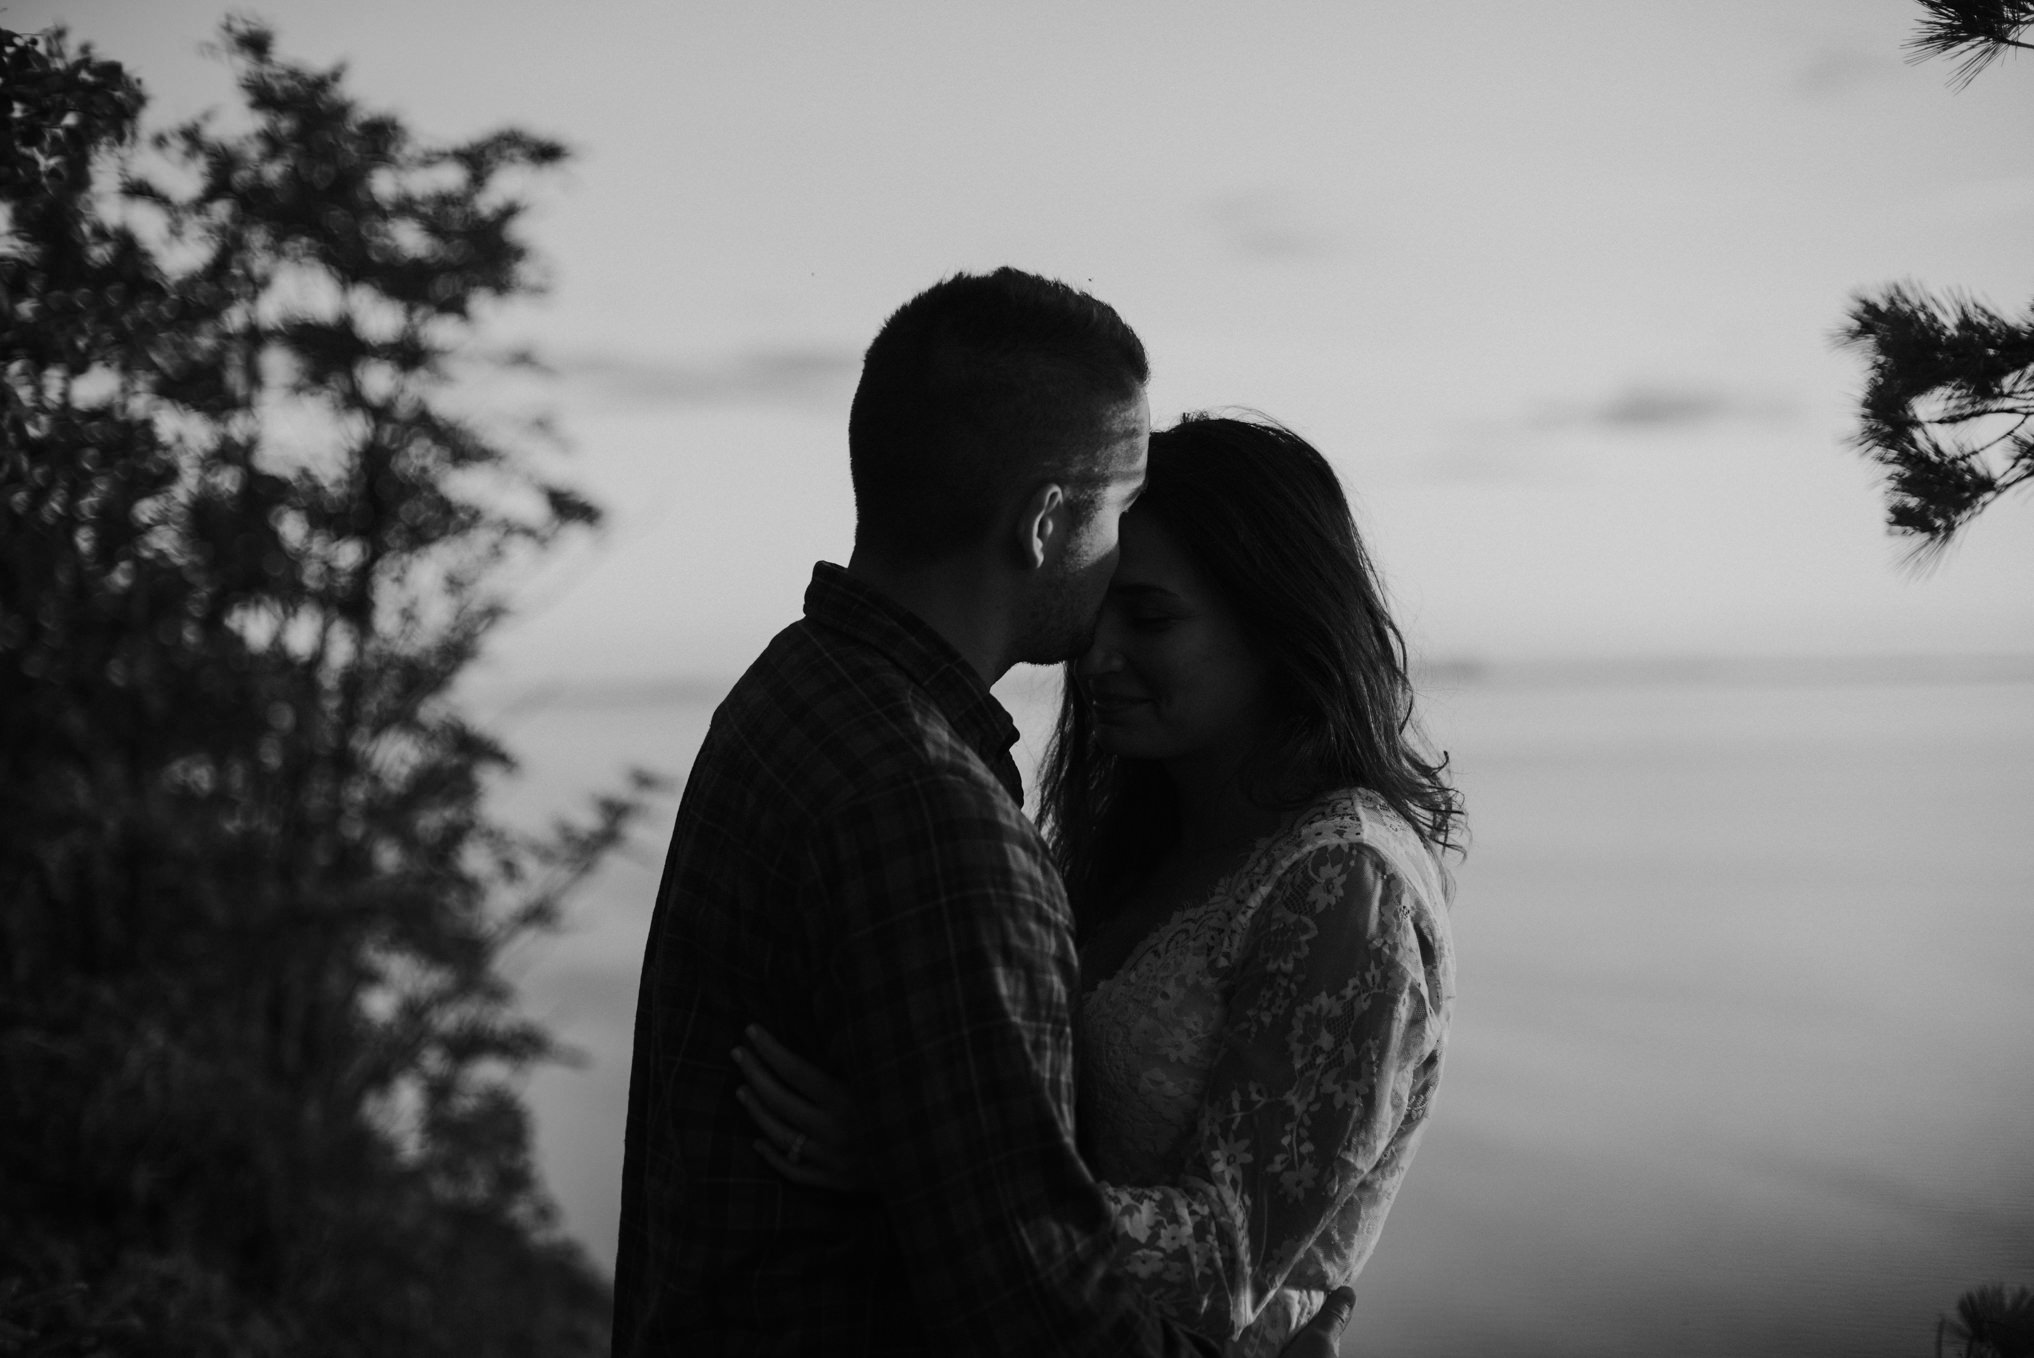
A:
{"points": [[913, 1075]]}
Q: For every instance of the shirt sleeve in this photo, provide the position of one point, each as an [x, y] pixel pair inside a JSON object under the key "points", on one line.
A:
{"points": [[1327, 1027], [947, 998]]}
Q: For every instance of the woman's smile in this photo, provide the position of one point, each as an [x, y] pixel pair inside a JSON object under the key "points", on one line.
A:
{"points": [[1171, 672], [1111, 703]]}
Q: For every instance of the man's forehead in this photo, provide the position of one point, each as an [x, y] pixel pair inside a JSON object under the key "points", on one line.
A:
{"points": [[1125, 459], [1127, 439], [1135, 413]]}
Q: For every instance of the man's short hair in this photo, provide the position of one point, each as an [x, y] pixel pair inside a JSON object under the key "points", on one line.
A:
{"points": [[973, 391]]}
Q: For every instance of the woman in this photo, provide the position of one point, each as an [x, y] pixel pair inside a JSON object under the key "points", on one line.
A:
{"points": [[1249, 836]]}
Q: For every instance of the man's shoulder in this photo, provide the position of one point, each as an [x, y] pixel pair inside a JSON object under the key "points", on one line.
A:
{"points": [[826, 720]]}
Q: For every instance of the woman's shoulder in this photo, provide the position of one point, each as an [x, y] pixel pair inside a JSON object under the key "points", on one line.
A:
{"points": [[1382, 873], [1347, 816], [1359, 818], [1348, 867]]}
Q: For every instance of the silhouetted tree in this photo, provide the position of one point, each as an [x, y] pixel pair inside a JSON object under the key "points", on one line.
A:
{"points": [[1945, 410], [1992, 1321], [1977, 31], [1950, 387], [257, 1053], [1946, 407]]}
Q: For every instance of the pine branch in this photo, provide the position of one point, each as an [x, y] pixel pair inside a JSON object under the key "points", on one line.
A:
{"points": [[1966, 416], [1992, 1321], [1976, 31], [1938, 368], [2009, 438]]}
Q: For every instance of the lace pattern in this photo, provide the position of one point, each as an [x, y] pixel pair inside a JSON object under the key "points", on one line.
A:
{"points": [[1254, 1079]]}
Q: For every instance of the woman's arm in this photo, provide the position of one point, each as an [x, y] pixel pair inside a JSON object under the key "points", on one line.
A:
{"points": [[1328, 1027]]}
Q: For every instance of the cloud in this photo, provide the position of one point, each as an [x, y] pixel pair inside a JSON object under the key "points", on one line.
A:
{"points": [[798, 376], [1641, 406], [609, 694], [1837, 71], [1519, 451], [1269, 226]]}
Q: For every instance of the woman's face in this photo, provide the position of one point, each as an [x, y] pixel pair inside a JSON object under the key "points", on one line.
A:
{"points": [[1171, 674]]}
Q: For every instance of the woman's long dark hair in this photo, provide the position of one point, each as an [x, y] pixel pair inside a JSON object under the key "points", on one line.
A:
{"points": [[1262, 516]]}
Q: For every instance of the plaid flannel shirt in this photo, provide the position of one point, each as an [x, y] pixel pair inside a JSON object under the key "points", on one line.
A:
{"points": [[851, 868]]}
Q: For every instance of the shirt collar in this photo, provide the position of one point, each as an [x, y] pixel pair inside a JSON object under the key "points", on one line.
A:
{"points": [[838, 601]]}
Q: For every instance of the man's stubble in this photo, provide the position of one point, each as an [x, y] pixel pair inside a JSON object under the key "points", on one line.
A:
{"points": [[1058, 622]]}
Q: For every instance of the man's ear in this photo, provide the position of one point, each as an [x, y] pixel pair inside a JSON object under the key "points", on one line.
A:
{"points": [[1042, 525]]}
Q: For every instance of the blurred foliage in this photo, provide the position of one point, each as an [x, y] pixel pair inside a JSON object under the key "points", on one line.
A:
{"points": [[1974, 32], [1992, 1321], [1949, 391], [1945, 412], [258, 1057], [1946, 407]]}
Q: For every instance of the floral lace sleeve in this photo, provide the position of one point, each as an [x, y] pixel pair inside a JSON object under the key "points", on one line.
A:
{"points": [[1330, 1037]]}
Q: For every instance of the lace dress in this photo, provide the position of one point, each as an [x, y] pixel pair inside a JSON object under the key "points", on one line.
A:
{"points": [[1253, 1081]]}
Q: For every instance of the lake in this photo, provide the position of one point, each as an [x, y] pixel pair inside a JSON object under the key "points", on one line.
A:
{"points": [[1744, 1055]]}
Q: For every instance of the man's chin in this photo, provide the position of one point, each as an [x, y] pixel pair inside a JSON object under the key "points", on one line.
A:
{"points": [[1059, 639], [1055, 651], [1062, 620]]}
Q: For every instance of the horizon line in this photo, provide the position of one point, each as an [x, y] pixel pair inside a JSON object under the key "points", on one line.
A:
{"points": [[1442, 673]]}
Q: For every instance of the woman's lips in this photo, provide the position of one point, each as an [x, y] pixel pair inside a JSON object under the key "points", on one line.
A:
{"points": [[1108, 706]]}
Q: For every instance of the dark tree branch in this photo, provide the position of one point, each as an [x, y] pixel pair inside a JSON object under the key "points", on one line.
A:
{"points": [[252, 895], [1966, 416], [1935, 366], [1976, 33]]}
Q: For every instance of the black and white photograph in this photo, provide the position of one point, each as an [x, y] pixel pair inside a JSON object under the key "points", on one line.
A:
{"points": [[1106, 679]]}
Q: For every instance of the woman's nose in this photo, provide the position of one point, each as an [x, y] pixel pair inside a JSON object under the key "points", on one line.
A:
{"points": [[1101, 657]]}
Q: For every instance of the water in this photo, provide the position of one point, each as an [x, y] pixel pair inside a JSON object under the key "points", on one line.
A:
{"points": [[1742, 1059]]}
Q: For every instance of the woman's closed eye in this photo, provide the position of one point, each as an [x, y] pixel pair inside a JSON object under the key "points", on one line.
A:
{"points": [[1143, 613]]}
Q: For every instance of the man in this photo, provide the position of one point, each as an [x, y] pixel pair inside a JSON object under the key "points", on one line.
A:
{"points": [[852, 869]]}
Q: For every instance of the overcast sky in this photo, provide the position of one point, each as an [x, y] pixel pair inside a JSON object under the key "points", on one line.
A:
{"points": [[1552, 284]]}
